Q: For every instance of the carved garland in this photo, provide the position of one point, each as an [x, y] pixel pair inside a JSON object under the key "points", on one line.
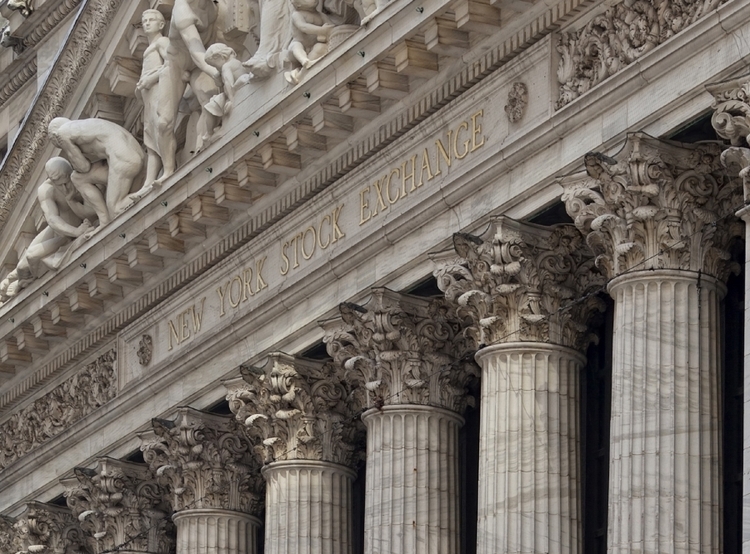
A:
{"points": [[615, 39], [64, 80], [57, 410]]}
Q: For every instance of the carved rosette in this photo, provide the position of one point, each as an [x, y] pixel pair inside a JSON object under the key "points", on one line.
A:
{"points": [[522, 282], [402, 349], [49, 529], [206, 461], [657, 205], [120, 506], [298, 409]]}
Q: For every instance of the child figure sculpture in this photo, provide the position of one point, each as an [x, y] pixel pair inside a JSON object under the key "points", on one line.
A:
{"points": [[233, 75], [310, 35]]}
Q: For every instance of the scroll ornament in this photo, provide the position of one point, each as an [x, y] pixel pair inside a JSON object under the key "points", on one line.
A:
{"points": [[403, 349], [523, 282]]}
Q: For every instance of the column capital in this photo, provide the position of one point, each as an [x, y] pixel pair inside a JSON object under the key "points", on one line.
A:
{"points": [[402, 349], [49, 529], [120, 505], [205, 460], [656, 205], [731, 120], [522, 282], [10, 540], [299, 409]]}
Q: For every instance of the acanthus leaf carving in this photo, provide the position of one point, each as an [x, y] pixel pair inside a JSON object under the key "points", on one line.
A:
{"points": [[49, 529], [120, 505], [205, 460], [60, 408], [402, 349], [616, 38], [298, 409], [523, 282], [10, 540], [657, 205]]}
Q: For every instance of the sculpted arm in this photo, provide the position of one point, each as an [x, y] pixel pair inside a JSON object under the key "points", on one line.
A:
{"points": [[309, 28], [74, 154], [52, 212]]}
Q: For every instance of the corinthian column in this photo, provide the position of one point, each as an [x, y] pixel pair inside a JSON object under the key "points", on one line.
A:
{"points": [[403, 353], [517, 287], [120, 508], [48, 529], [299, 410], [206, 463], [658, 216]]}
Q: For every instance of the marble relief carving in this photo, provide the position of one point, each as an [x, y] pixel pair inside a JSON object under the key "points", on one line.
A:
{"points": [[194, 69], [298, 410], [120, 503], [206, 461], [616, 38], [521, 282], [402, 349], [49, 529], [60, 408], [657, 205], [518, 99]]}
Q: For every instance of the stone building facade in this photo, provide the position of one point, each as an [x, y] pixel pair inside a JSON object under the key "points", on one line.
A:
{"points": [[369, 277]]}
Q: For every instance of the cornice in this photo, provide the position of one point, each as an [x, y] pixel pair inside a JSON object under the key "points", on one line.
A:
{"points": [[33, 141]]}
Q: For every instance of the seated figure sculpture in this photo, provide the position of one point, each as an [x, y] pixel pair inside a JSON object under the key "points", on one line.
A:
{"points": [[68, 225], [233, 75], [106, 160], [310, 34]]}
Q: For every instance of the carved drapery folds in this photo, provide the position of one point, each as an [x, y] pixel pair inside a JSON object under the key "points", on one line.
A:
{"points": [[656, 205], [402, 349], [60, 408], [120, 506], [616, 38], [523, 282], [49, 529], [298, 410], [205, 460]]}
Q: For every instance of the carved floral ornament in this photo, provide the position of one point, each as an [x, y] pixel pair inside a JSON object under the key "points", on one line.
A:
{"points": [[120, 506], [523, 282], [298, 409], [48, 529], [50, 415], [657, 205], [616, 38], [731, 120], [205, 461], [402, 349]]}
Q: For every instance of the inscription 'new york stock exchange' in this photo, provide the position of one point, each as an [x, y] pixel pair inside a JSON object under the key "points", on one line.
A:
{"points": [[357, 210]]}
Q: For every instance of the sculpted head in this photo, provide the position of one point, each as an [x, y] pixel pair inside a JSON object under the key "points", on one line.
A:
{"points": [[54, 128], [152, 21], [58, 170], [218, 54]]}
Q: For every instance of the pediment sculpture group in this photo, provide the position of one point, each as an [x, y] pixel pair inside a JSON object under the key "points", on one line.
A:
{"points": [[191, 75]]}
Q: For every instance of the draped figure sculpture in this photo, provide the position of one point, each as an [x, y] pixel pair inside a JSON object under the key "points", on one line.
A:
{"points": [[154, 58], [193, 25]]}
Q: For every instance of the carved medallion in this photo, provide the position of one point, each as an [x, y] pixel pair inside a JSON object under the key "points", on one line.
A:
{"points": [[145, 350], [518, 99]]}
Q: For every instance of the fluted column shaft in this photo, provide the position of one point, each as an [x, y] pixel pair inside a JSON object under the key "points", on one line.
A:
{"points": [[212, 531], [411, 504], [308, 507], [664, 477], [529, 468]]}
